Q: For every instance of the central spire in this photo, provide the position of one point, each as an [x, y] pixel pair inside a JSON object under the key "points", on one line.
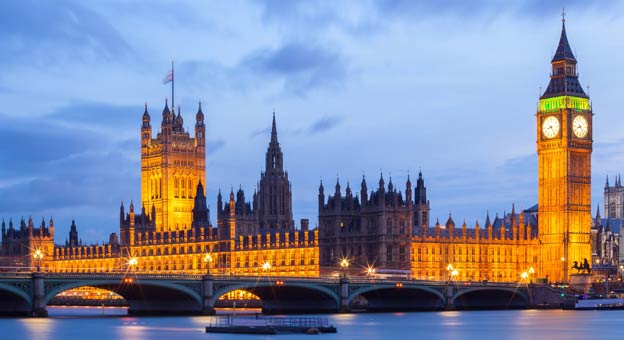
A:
{"points": [[274, 132], [274, 156]]}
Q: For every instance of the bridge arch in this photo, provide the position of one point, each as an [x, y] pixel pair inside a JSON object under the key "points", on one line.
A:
{"points": [[144, 296], [16, 291], [491, 297], [389, 297], [288, 297]]}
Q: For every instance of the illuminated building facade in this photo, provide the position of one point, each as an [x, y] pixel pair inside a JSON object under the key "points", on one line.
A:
{"points": [[173, 232], [498, 251], [171, 166], [386, 229], [564, 146]]}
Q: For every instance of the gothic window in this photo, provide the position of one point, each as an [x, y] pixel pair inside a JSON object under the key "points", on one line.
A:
{"points": [[176, 187]]}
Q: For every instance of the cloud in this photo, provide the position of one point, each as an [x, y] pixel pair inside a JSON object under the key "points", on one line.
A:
{"points": [[213, 146], [260, 132], [293, 68], [324, 124], [303, 67], [53, 31]]}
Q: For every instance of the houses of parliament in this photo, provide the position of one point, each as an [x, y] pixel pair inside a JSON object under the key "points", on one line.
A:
{"points": [[388, 227]]}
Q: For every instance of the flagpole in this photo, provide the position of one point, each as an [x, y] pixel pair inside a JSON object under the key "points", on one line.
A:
{"points": [[172, 82]]}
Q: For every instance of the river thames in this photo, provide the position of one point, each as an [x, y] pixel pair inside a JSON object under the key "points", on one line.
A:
{"points": [[112, 323]]}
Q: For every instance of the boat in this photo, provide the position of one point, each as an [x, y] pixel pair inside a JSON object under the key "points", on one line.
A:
{"points": [[599, 304], [268, 325]]}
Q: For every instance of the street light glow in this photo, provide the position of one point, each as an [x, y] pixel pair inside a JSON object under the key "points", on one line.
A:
{"points": [[344, 263], [133, 261], [266, 266]]}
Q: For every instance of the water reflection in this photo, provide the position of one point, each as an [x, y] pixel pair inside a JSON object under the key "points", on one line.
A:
{"points": [[38, 328], [66, 323]]}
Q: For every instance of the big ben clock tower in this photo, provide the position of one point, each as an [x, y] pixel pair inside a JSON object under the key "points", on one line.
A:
{"points": [[564, 146]]}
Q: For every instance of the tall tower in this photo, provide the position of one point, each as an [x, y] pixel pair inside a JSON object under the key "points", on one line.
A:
{"points": [[172, 165], [564, 146], [274, 194]]}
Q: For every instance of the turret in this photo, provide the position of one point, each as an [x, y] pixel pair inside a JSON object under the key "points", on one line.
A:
{"points": [[31, 227], [219, 201], [167, 123], [200, 128], [337, 192], [51, 227], [321, 196], [450, 226], [146, 129], [122, 214], [131, 214], [363, 192], [408, 192], [3, 229]]}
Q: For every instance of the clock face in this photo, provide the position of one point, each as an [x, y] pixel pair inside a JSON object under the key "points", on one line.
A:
{"points": [[550, 127], [579, 126]]}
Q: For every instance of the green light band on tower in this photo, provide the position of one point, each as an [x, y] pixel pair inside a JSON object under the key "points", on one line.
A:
{"points": [[564, 102]]}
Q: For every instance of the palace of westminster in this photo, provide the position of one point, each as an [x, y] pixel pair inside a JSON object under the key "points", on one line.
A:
{"points": [[170, 231]]}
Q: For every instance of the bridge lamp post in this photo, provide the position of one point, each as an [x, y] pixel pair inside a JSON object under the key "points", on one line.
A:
{"points": [[565, 269], [524, 276], [38, 255], [531, 273], [208, 261], [344, 264], [266, 266], [449, 269]]}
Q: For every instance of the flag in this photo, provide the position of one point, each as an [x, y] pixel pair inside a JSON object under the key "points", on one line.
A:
{"points": [[168, 77]]}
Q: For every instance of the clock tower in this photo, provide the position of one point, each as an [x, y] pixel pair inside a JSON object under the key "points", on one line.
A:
{"points": [[564, 146]]}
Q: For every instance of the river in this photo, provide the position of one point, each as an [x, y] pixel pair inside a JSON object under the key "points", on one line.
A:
{"points": [[94, 323]]}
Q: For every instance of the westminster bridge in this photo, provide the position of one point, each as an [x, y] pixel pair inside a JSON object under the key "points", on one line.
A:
{"points": [[29, 293]]}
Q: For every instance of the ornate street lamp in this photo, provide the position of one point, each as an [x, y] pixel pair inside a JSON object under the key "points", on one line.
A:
{"points": [[208, 261], [38, 255]]}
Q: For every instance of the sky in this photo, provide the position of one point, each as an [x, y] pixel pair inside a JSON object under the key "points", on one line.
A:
{"points": [[358, 88]]}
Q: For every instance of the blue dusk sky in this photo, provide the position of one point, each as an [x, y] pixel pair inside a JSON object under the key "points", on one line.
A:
{"points": [[358, 87]]}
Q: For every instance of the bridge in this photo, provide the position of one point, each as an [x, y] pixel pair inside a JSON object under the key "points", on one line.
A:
{"points": [[30, 293]]}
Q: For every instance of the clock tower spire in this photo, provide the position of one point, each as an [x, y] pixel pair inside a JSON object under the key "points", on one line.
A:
{"points": [[564, 146]]}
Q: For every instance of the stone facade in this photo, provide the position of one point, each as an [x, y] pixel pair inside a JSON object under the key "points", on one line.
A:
{"points": [[373, 229]]}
